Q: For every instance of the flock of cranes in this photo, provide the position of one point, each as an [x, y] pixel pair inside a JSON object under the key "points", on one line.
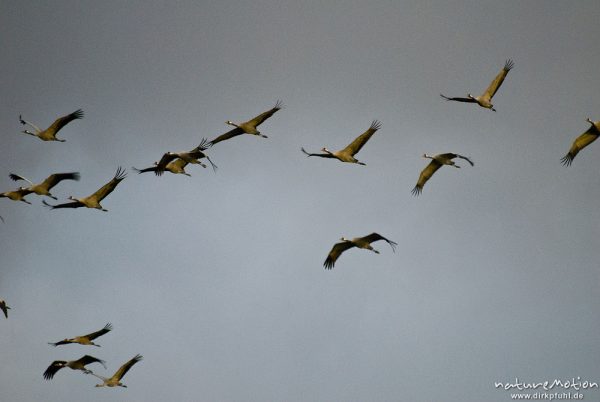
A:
{"points": [[79, 364], [176, 163]]}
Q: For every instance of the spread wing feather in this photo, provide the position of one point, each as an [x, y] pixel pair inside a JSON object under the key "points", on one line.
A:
{"points": [[64, 120], [335, 252], [495, 84], [425, 175], [110, 186], [362, 139]]}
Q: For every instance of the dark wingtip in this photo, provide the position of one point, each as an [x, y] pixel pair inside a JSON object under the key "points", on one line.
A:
{"points": [[204, 144], [121, 173], [567, 160], [416, 191], [48, 206], [375, 125], [508, 65], [328, 264], [279, 105], [78, 114]]}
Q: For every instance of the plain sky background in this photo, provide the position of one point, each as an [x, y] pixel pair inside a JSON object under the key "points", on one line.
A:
{"points": [[217, 279]]}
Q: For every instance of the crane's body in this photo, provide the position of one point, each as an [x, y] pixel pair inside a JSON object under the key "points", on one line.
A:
{"points": [[49, 134], [248, 127], [437, 161], [347, 154], [485, 100]]}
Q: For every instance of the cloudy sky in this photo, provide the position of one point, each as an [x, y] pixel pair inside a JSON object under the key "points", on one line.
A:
{"points": [[217, 279]]}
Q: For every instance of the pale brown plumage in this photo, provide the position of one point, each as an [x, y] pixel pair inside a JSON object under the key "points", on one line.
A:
{"points": [[49, 134], [78, 364], [248, 127], [437, 162], [360, 242], [115, 380], [17, 195], [51, 181], [582, 141], [347, 154], [93, 201], [485, 99], [84, 339]]}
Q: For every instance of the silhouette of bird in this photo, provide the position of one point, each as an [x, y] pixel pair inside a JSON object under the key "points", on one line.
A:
{"points": [[93, 201], [115, 380], [437, 162], [78, 364], [582, 141], [360, 242], [4, 308], [84, 339], [49, 134], [485, 99], [17, 195], [51, 181], [248, 127], [176, 167], [192, 157], [347, 154]]}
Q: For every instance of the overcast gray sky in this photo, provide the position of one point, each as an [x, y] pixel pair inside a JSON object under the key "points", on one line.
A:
{"points": [[217, 279]]}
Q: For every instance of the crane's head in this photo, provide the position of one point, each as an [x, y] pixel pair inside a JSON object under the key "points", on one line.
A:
{"points": [[427, 156], [230, 123], [326, 150], [344, 239], [470, 96]]}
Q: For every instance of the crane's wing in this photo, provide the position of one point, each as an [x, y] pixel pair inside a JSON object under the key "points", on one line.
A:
{"points": [[335, 252], [164, 161], [53, 369], [94, 335], [580, 142], [110, 186], [362, 139], [203, 146], [17, 177], [324, 155], [465, 158], [491, 90], [451, 155], [230, 134], [376, 236], [150, 169], [87, 359], [63, 342], [64, 120], [425, 175], [125, 368], [74, 204], [23, 122], [56, 178], [469, 100], [264, 116]]}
